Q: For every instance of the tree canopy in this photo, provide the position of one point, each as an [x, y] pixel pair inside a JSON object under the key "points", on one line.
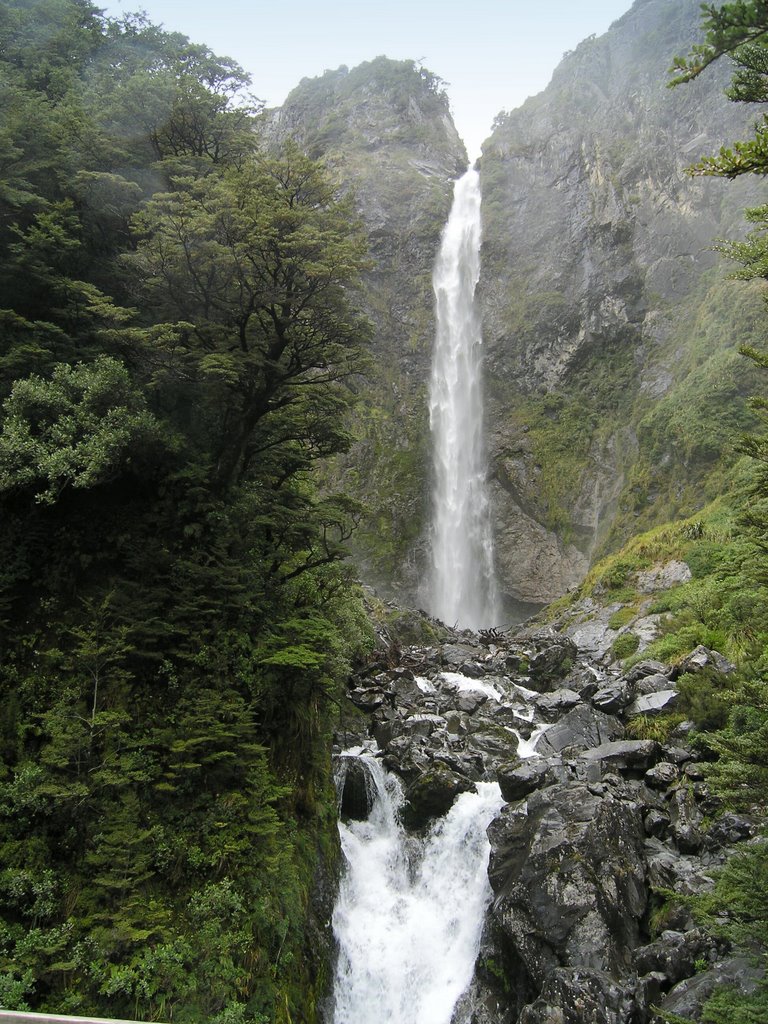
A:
{"points": [[179, 340]]}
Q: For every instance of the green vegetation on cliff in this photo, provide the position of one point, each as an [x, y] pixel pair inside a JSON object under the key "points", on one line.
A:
{"points": [[178, 340], [724, 604]]}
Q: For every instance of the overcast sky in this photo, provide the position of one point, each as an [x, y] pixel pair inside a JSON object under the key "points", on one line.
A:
{"points": [[492, 53]]}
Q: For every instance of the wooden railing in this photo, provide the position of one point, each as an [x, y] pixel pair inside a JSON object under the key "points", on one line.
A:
{"points": [[22, 1017]]}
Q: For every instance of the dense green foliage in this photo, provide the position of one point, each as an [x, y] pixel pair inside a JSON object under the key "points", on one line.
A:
{"points": [[724, 604], [177, 338]]}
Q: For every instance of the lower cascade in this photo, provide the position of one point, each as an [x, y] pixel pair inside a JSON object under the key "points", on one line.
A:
{"points": [[410, 911], [506, 764]]}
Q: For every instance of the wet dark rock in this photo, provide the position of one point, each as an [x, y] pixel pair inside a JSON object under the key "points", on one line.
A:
{"points": [[493, 741], [625, 754], [369, 699], [422, 725], [406, 691], [467, 764], [613, 698], [519, 778], [569, 879], [573, 995], [431, 795], [469, 701], [455, 722], [557, 702], [702, 658], [473, 669], [687, 998], [651, 704], [662, 775], [645, 668], [585, 679], [581, 727], [554, 657], [675, 954], [356, 799], [453, 656]]}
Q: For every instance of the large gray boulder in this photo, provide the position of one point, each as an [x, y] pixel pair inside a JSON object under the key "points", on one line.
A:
{"points": [[582, 727], [569, 880], [577, 996]]}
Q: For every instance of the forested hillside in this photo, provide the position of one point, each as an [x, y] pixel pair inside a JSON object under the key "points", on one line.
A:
{"points": [[179, 329]]}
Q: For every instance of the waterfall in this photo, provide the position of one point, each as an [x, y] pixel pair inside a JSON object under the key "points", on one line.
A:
{"points": [[462, 586], [410, 910]]}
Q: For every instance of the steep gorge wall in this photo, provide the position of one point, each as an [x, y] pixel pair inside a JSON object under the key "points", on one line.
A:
{"points": [[385, 131], [615, 387]]}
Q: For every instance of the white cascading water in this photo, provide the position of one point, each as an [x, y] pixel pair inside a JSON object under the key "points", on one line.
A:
{"points": [[410, 911], [462, 587]]}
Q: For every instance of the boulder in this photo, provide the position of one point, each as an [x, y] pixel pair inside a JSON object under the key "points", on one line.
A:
{"points": [[469, 701], [652, 703], [647, 667], [353, 786], [558, 702], [422, 725], [582, 727], [662, 775], [554, 658], [656, 823], [675, 954], [625, 754], [687, 998], [686, 821], [368, 698], [613, 698], [730, 828], [569, 879], [701, 658], [576, 996], [519, 778], [652, 683], [432, 793], [455, 655]]}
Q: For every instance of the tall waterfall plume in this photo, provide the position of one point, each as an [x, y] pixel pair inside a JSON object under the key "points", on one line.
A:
{"points": [[410, 911], [462, 587]]}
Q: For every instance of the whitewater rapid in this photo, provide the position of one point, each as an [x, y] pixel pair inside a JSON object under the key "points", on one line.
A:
{"points": [[409, 915]]}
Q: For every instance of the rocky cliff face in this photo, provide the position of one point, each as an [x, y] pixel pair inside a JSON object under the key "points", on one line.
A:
{"points": [[604, 323], [595, 821], [385, 130]]}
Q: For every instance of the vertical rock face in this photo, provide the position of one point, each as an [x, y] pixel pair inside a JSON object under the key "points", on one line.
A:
{"points": [[602, 316], [385, 131]]}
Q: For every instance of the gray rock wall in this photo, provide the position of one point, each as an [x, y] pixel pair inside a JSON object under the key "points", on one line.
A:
{"points": [[595, 242]]}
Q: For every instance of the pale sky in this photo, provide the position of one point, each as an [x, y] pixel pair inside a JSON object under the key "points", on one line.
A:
{"points": [[492, 53]]}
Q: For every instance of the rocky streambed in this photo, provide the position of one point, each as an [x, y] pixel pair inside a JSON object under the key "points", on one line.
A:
{"points": [[598, 832]]}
